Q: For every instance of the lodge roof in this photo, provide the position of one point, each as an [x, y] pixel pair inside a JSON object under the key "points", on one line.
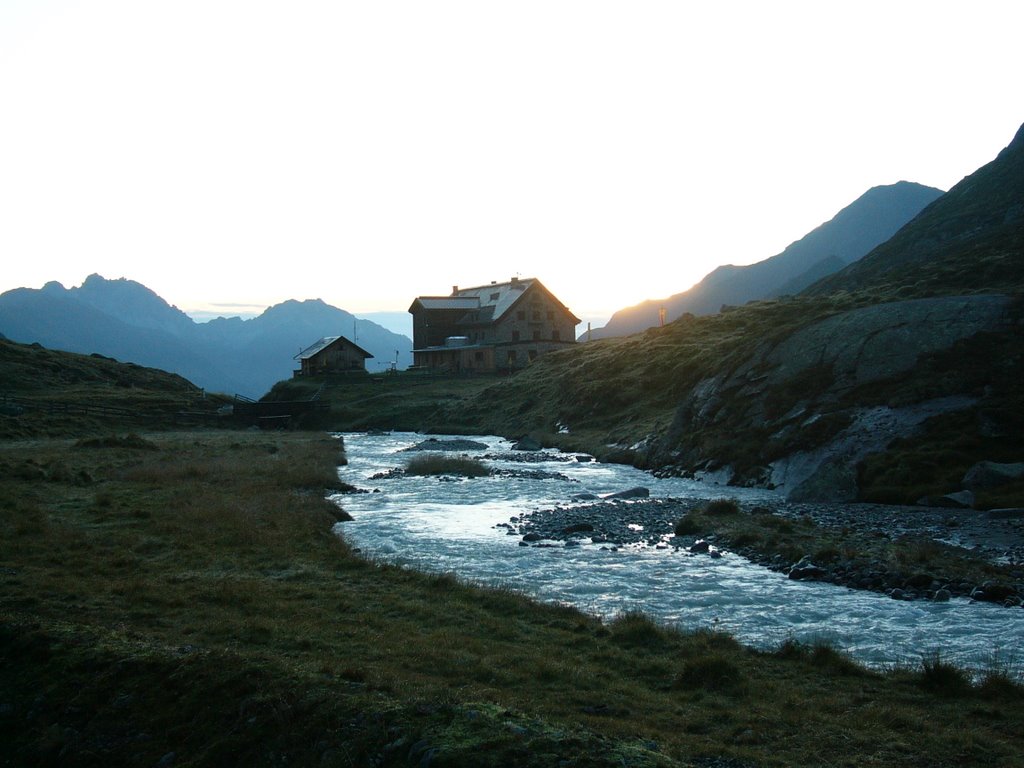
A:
{"points": [[324, 343]]}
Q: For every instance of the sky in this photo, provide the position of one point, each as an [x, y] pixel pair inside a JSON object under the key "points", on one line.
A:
{"points": [[233, 155]]}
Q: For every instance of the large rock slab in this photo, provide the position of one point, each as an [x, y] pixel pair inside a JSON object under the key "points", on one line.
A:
{"points": [[879, 342], [991, 474]]}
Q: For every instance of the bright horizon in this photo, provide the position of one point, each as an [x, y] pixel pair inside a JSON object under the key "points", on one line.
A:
{"points": [[231, 156]]}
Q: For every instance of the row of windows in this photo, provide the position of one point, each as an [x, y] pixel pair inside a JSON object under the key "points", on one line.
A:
{"points": [[555, 335], [535, 315]]}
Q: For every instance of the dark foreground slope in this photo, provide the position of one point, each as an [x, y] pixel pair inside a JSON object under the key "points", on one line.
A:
{"points": [[886, 382]]}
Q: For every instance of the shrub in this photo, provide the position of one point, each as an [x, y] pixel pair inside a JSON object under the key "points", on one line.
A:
{"points": [[637, 628], [942, 677], [722, 507], [446, 465], [688, 525], [714, 672]]}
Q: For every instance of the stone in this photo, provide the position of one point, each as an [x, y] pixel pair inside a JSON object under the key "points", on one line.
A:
{"points": [[991, 474], [457, 444], [942, 595], [991, 592], [1007, 513], [958, 500], [632, 493], [532, 537], [700, 546], [578, 528], [805, 569], [898, 594], [527, 444]]}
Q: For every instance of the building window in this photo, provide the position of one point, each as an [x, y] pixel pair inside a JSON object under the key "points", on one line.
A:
{"points": [[536, 335], [511, 357], [495, 296], [551, 315], [515, 335], [555, 335], [533, 355], [521, 314], [536, 314]]}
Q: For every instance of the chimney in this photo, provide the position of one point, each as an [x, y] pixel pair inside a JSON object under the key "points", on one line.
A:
{"points": [[455, 289], [514, 280]]}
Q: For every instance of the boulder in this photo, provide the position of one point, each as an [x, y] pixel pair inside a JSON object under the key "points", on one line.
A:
{"points": [[833, 481], [527, 444], [455, 444], [958, 500], [805, 569], [578, 528], [1006, 513], [991, 474], [633, 493]]}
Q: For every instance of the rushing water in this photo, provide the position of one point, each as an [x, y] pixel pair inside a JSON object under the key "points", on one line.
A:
{"points": [[449, 525]]}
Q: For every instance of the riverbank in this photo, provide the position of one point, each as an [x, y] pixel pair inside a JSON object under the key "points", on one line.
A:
{"points": [[905, 552], [180, 599]]}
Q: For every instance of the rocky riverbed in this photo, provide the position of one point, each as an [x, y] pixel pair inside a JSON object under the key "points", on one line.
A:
{"points": [[905, 552]]}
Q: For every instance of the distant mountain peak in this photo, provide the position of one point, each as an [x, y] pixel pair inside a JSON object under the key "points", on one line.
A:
{"points": [[869, 220]]}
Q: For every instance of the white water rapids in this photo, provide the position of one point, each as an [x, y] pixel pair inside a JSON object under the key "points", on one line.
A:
{"points": [[438, 525]]}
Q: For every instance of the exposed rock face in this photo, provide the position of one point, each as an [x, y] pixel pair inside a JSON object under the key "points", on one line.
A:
{"points": [[828, 472], [991, 474], [812, 405], [874, 343]]}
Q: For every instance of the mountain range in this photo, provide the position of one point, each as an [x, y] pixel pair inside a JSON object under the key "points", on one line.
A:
{"points": [[871, 219], [127, 321], [888, 381]]}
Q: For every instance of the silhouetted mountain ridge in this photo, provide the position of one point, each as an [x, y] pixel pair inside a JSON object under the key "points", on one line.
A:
{"points": [[126, 320], [871, 219], [970, 239]]}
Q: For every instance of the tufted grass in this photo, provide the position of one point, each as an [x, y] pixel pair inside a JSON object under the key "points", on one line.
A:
{"points": [[193, 599]]}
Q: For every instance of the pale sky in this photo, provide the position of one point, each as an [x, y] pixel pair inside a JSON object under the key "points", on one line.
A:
{"points": [[238, 154]]}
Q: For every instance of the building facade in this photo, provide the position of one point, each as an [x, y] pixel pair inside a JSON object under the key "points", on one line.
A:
{"points": [[496, 327]]}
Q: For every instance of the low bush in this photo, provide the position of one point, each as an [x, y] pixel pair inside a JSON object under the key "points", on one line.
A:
{"points": [[722, 507], [689, 525], [446, 465], [714, 672], [942, 677]]}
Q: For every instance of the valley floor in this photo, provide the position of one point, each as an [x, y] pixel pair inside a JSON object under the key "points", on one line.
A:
{"points": [[180, 599]]}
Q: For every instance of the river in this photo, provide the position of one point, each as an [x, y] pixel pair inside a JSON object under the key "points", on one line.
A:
{"points": [[450, 525]]}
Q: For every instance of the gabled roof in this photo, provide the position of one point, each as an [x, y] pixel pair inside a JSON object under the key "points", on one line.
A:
{"points": [[498, 297], [446, 302], [489, 303], [324, 343]]}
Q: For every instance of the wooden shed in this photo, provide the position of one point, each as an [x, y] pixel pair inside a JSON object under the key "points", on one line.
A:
{"points": [[331, 354]]}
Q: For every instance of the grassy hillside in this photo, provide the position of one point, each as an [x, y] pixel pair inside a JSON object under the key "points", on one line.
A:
{"points": [[179, 599], [46, 392]]}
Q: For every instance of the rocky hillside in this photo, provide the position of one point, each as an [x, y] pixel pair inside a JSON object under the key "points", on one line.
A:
{"points": [[871, 219], [888, 386]]}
